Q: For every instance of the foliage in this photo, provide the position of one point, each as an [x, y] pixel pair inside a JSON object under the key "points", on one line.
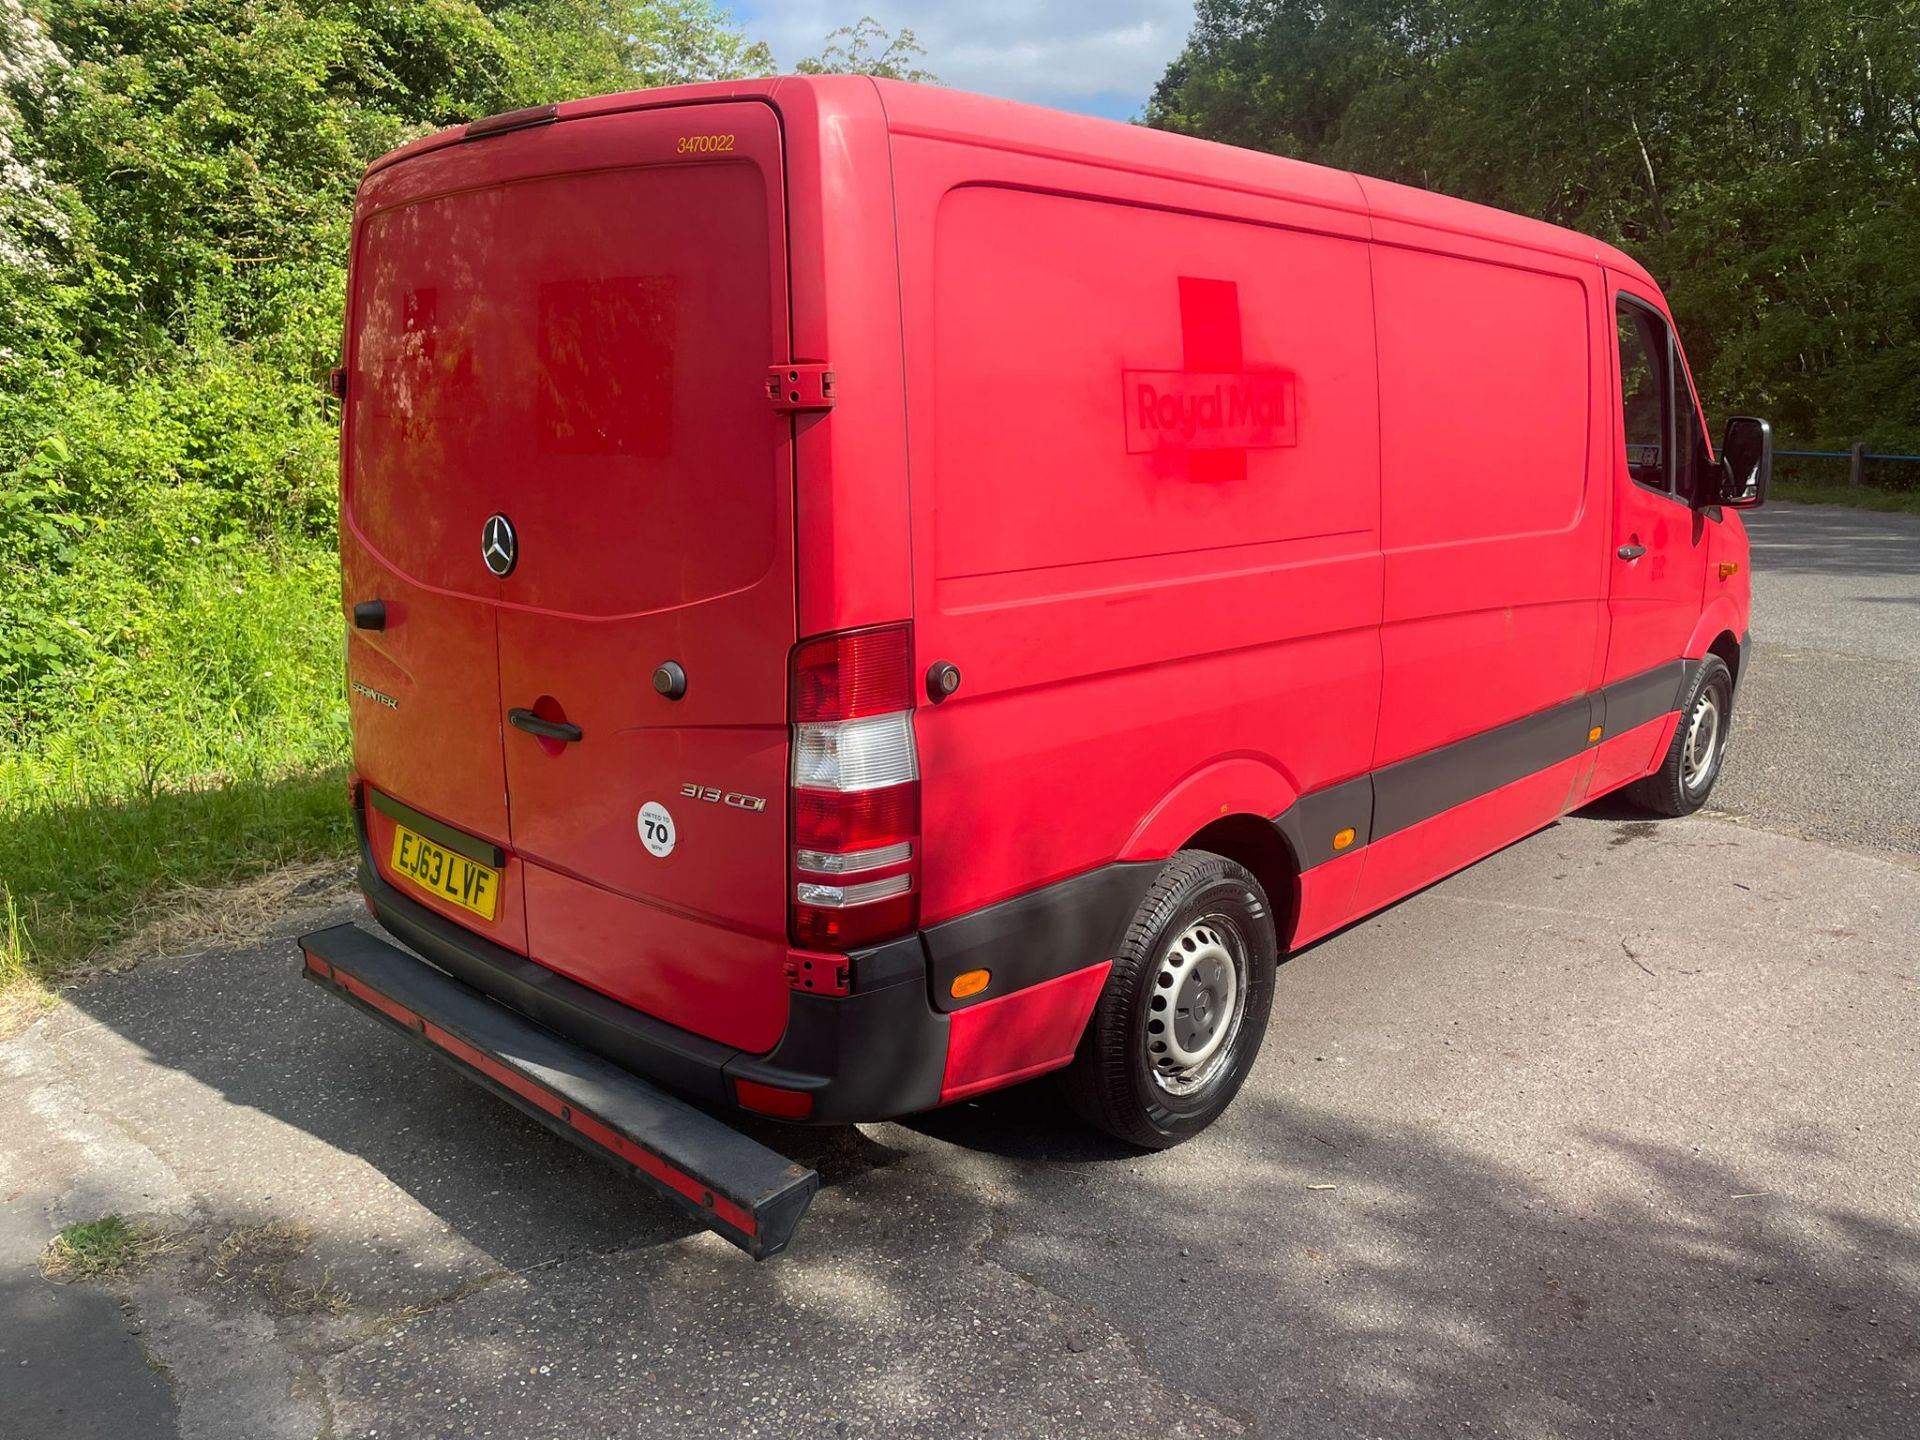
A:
{"points": [[1761, 158], [865, 48], [176, 186]]}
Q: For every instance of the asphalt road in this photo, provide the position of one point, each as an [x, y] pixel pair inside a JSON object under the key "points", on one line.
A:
{"points": [[1613, 1134], [1826, 730]]}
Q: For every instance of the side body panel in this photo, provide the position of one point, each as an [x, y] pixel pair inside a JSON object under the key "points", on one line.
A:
{"points": [[1494, 506], [1142, 426]]}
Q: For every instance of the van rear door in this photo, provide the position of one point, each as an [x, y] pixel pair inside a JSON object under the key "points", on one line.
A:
{"points": [[609, 293]]}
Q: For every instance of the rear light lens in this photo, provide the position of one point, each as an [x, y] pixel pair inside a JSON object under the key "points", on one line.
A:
{"points": [[862, 754], [853, 673], [856, 790]]}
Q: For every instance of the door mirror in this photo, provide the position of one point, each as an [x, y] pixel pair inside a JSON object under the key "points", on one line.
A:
{"points": [[1746, 464]]}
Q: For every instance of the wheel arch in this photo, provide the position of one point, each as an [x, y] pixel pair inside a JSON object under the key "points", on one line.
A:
{"points": [[1718, 632], [1258, 844], [1228, 807]]}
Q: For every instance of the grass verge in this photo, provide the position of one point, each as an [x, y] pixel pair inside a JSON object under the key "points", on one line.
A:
{"points": [[1861, 497], [101, 1249], [194, 739], [79, 873]]}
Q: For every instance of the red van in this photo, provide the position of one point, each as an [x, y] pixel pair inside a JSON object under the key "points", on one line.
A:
{"points": [[862, 594]]}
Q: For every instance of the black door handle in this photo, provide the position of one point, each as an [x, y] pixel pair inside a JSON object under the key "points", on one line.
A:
{"points": [[522, 719], [370, 615], [1631, 552]]}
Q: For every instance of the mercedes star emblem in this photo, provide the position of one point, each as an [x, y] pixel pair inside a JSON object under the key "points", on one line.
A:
{"points": [[499, 547]]}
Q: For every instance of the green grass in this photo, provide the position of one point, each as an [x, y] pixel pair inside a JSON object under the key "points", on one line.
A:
{"points": [[83, 870], [208, 748], [100, 1249], [1860, 497]]}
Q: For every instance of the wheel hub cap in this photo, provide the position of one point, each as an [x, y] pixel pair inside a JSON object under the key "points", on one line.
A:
{"points": [[1703, 740], [1195, 1006]]}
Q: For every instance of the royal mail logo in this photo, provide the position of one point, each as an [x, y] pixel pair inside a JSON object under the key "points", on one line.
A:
{"points": [[1197, 410], [1215, 407]]}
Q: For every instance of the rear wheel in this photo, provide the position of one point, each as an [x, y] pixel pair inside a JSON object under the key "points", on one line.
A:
{"points": [[1692, 762], [1185, 1007]]}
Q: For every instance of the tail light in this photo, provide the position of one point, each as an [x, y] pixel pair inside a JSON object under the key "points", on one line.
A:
{"points": [[856, 790]]}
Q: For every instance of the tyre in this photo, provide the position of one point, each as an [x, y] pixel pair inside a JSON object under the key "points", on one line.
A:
{"points": [[1692, 762], [1185, 1007]]}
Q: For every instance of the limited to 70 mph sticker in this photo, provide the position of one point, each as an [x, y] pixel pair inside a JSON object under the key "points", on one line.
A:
{"points": [[656, 829]]}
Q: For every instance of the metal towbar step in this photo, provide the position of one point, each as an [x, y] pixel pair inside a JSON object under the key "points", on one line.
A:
{"points": [[733, 1185]]}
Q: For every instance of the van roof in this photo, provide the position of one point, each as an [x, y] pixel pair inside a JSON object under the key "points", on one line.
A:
{"points": [[941, 113]]}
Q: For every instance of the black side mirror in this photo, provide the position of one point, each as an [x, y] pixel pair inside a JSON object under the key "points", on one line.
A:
{"points": [[1746, 464]]}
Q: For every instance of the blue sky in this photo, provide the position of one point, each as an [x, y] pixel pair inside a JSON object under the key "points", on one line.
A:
{"points": [[1097, 56]]}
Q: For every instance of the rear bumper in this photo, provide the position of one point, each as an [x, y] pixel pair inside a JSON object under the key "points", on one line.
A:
{"points": [[731, 1184], [877, 1053], [896, 1043]]}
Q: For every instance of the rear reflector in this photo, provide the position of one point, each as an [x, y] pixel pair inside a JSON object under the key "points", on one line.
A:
{"points": [[773, 1100], [856, 790]]}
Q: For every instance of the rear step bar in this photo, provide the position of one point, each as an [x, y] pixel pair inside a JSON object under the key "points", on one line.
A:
{"points": [[733, 1185]]}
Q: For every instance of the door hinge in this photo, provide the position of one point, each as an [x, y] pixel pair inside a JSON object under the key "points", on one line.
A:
{"points": [[797, 388]]}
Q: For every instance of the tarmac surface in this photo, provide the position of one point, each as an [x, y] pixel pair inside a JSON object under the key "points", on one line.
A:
{"points": [[1614, 1133]]}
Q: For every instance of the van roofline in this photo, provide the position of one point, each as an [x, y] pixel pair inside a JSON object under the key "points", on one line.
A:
{"points": [[937, 112]]}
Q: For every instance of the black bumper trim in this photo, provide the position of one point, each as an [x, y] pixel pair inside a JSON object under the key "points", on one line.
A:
{"points": [[873, 1055], [1038, 936], [728, 1182]]}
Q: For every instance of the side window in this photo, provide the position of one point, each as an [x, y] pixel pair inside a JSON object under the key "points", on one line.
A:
{"points": [[1688, 442], [1646, 397]]}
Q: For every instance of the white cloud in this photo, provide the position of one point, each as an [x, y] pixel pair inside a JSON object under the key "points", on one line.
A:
{"points": [[1047, 51]]}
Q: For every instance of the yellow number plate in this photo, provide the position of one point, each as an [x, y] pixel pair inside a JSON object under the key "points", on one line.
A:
{"points": [[466, 883]]}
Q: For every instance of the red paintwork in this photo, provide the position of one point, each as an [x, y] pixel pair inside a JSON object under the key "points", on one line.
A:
{"points": [[1015, 1037], [1222, 479]]}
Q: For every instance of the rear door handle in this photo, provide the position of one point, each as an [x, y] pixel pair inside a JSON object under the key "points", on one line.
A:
{"points": [[523, 719], [1631, 552]]}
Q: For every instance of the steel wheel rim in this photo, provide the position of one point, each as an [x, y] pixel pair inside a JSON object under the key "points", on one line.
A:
{"points": [[1197, 997], [1705, 727]]}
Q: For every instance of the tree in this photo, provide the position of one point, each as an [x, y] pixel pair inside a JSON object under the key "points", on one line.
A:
{"points": [[564, 49], [865, 48], [1762, 158]]}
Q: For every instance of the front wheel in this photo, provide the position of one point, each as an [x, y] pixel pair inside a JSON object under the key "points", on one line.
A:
{"points": [[1185, 1007], [1692, 762]]}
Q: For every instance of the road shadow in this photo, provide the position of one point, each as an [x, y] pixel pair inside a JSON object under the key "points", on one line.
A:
{"points": [[246, 1024], [1304, 1269], [1359, 1280]]}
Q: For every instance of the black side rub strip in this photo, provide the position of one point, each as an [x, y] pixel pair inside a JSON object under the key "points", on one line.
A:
{"points": [[1080, 922], [1416, 789], [729, 1183]]}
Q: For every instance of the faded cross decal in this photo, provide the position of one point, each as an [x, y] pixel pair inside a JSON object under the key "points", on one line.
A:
{"points": [[1213, 407]]}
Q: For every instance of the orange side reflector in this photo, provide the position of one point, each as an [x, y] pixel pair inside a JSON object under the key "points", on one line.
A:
{"points": [[1593, 734], [971, 983], [1729, 569], [1343, 838]]}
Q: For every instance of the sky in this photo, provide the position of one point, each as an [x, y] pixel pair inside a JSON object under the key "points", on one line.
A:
{"points": [[1100, 57]]}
